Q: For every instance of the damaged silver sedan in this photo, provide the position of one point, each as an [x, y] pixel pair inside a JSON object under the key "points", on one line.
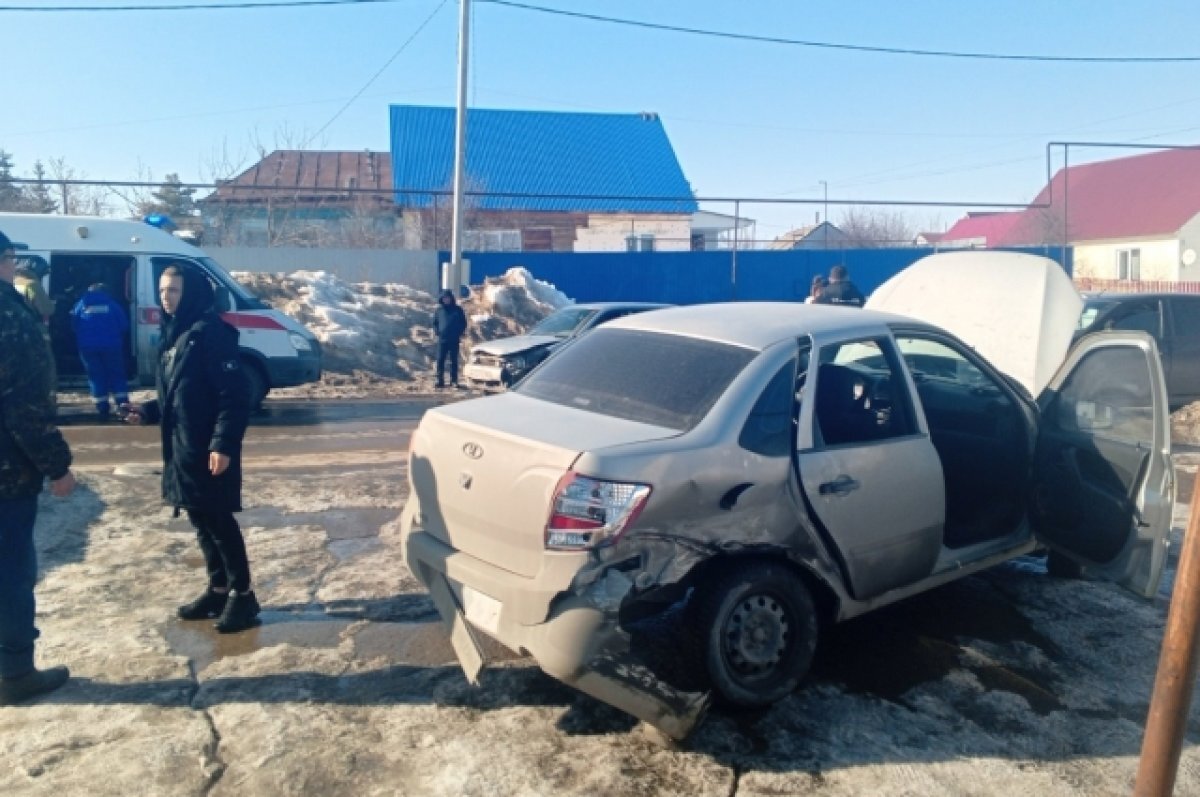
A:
{"points": [[762, 469]]}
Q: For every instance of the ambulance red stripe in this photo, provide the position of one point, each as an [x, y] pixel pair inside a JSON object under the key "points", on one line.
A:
{"points": [[151, 315]]}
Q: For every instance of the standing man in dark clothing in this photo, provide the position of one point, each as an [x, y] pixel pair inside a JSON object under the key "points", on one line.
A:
{"points": [[31, 450], [203, 407], [100, 326], [840, 290], [449, 322]]}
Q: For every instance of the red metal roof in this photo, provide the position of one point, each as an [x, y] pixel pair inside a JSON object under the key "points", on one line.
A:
{"points": [[982, 229], [1153, 194], [312, 175], [1141, 196]]}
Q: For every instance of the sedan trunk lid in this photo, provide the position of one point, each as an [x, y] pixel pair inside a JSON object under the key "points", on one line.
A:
{"points": [[484, 471]]}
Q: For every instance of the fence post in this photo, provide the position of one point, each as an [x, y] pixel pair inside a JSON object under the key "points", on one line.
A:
{"points": [[734, 251]]}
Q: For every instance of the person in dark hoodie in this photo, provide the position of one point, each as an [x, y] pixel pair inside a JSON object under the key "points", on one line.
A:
{"points": [[203, 407], [449, 322], [840, 290], [100, 327]]}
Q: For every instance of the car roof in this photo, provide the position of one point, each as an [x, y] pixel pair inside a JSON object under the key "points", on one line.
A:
{"points": [[757, 325], [615, 306]]}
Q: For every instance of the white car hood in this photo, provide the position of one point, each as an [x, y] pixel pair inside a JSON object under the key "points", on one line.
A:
{"points": [[1019, 311], [504, 347]]}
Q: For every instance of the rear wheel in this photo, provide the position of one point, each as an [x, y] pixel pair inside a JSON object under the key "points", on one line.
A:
{"points": [[257, 383], [759, 631]]}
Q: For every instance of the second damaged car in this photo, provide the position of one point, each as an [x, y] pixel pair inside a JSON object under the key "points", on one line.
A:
{"points": [[760, 470], [502, 362]]}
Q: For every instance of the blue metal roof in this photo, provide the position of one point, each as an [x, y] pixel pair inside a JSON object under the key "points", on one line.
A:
{"points": [[542, 160]]}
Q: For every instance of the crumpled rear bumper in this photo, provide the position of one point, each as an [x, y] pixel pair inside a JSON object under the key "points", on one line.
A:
{"points": [[578, 643]]}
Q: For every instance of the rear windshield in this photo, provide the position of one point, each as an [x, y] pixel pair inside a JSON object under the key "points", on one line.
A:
{"points": [[649, 377]]}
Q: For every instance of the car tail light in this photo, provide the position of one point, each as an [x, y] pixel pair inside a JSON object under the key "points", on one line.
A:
{"points": [[587, 512]]}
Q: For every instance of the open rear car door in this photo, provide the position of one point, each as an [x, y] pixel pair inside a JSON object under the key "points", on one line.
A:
{"points": [[1103, 481]]}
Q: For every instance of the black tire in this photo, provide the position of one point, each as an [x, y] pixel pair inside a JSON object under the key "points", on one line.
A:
{"points": [[257, 383], [1060, 566], [758, 628]]}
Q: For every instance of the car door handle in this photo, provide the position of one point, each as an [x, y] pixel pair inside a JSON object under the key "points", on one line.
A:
{"points": [[842, 485]]}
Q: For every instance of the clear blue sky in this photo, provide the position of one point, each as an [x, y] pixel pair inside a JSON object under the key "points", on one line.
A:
{"points": [[123, 95]]}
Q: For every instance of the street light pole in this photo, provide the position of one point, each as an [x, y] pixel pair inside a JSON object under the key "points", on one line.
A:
{"points": [[454, 275]]}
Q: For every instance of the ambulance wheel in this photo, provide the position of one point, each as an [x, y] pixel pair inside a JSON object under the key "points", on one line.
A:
{"points": [[256, 380]]}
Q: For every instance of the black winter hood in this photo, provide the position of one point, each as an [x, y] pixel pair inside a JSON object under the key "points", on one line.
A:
{"points": [[197, 301]]}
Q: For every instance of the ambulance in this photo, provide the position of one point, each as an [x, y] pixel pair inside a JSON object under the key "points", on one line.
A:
{"points": [[73, 252]]}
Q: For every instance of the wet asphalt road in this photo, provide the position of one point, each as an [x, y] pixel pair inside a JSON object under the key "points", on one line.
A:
{"points": [[286, 433]]}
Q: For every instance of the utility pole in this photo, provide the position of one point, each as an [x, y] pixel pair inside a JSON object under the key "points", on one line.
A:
{"points": [[455, 273], [825, 216], [1167, 720]]}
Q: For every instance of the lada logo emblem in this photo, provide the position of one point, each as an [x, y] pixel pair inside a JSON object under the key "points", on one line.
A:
{"points": [[473, 450]]}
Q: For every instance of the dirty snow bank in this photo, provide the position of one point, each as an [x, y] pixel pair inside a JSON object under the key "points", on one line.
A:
{"points": [[376, 338]]}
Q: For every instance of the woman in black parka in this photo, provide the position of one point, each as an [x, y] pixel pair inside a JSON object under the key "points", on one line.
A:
{"points": [[203, 406]]}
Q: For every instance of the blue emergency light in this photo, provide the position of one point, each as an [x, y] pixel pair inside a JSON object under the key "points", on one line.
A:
{"points": [[160, 220]]}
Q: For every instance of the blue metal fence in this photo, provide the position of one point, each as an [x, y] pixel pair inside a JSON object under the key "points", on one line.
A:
{"points": [[696, 277]]}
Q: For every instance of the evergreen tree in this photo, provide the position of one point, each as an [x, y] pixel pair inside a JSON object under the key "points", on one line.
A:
{"points": [[11, 195], [171, 199], [37, 195]]}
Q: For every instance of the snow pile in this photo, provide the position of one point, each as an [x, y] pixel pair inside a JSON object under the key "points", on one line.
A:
{"points": [[522, 297], [381, 333]]}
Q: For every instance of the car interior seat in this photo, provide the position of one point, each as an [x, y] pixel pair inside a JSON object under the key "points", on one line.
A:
{"points": [[843, 414]]}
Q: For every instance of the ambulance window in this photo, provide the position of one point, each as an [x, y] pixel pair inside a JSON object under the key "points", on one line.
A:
{"points": [[159, 264]]}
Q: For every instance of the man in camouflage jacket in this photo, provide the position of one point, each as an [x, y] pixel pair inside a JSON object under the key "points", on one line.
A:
{"points": [[31, 450]]}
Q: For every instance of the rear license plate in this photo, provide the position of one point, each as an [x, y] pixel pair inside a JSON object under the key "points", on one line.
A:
{"points": [[482, 611]]}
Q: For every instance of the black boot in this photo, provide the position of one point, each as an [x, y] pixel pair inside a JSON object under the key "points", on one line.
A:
{"points": [[207, 606], [30, 685], [241, 612]]}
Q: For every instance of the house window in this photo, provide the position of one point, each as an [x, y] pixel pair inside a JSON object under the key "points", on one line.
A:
{"points": [[492, 240], [639, 243], [1129, 264], [537, 239]]}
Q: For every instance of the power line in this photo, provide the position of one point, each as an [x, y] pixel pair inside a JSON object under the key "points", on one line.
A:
{"points": [[199, 6], [848, 47], [324, 192], [380, 71]]}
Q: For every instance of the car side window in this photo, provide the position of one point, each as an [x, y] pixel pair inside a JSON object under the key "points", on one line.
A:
{"points": [[159, 264], [768, 428], [603, 318], [1185, 314], [860, 396]]}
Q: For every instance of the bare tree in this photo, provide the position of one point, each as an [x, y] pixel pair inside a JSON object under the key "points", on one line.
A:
{"points": [[134, 196], [434, 225], [37, 194], [1045, 226], [73, 199], [874, 227]]}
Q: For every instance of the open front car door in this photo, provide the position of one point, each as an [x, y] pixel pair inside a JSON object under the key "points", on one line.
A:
{"points": [[1103, 481]]}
